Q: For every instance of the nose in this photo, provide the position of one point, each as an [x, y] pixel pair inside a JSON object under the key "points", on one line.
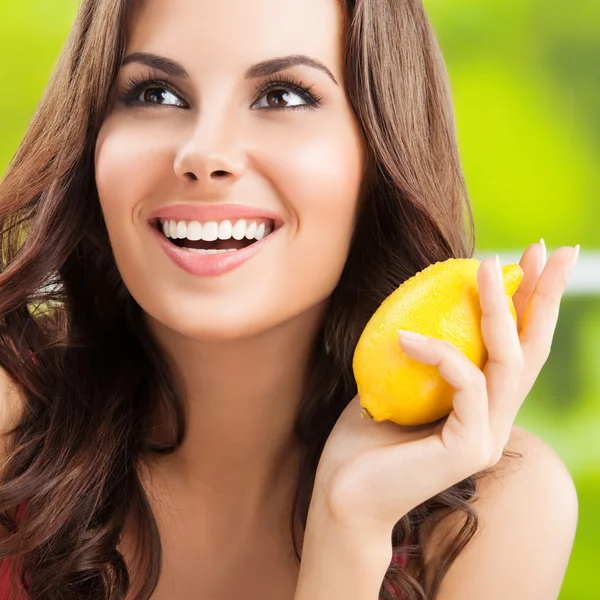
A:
{"points": [[212, 156]]}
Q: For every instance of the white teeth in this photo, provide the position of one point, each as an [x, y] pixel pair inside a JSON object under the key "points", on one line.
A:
{"points": [[213, 230], [210, 231], [210, 251], [225, 229], [239, 230], [181, 230], [251, 230], [194, 231]]}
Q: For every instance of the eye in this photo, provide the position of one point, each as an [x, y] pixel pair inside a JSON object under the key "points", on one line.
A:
{"points": [[154, 95], [285, 93], [280, 98], [150, 91]]}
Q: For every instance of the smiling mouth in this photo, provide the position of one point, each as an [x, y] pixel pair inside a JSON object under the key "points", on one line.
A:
{"points": [[213, 237]]}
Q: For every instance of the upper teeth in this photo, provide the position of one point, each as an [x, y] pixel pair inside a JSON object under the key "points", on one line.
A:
{"points": [[212, 230]]}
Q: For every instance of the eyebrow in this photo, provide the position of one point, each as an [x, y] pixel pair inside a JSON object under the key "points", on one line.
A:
{"points": [[261, 69]]}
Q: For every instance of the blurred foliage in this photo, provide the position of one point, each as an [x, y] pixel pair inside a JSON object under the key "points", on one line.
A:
{"points": [[526, 84]]}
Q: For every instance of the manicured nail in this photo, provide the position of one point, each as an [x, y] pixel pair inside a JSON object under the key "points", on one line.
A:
{"points": [[410, 336], [542, 257], [574, 257], [498, 272]]}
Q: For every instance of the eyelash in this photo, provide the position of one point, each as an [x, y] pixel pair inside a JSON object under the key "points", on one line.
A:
{"points": [[286, 82]]}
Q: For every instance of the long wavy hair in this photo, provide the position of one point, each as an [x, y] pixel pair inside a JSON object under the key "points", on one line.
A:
{"points": [[73, 341]]}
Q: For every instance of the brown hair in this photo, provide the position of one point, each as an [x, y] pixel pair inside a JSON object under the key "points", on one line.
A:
{"points": [[73, 341]]}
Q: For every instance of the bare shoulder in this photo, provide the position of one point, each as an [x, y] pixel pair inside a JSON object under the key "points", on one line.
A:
{"points": [[538, 465], [10, 410], [11, 405], [528, 510]]}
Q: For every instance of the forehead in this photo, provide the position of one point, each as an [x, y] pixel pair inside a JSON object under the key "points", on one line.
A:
{"points": [[238, 32]]}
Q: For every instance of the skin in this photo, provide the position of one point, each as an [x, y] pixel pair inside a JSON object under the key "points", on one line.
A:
{"points": [[240, 342], [371, 474]]}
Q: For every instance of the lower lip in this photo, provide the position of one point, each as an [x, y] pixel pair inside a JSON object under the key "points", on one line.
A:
{"points": [[210, 265]]}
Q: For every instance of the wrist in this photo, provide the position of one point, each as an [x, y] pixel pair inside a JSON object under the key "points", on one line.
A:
{"points": [[334, 509], [354, 537], [338, 564]]}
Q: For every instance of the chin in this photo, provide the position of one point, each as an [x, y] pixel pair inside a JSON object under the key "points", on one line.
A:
{"points": [[212, 328]]}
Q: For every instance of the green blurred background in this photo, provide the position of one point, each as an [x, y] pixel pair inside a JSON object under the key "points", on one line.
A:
{"points": [[526, 83]]}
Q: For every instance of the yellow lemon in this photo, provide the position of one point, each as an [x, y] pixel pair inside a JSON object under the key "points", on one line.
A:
{"points": [[441, 301]]}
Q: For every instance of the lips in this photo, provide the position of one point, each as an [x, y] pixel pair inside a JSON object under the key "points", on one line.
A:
{"points": [[211, 265]]}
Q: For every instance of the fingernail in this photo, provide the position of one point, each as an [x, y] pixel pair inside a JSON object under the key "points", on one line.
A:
{"points": [[410, 336], [542, 257], [574, 257], [498, 272]]}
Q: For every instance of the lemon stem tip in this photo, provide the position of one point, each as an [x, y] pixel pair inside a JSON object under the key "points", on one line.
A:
{"points": [[365, 414]]}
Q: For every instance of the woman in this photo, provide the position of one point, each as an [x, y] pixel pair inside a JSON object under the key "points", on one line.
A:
{"points": [[172, 414]]}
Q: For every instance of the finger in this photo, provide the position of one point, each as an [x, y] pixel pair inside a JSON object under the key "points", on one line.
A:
{"points": [[532, 262], [470, 401], [499, 334], [501, 339], [541, 314]]}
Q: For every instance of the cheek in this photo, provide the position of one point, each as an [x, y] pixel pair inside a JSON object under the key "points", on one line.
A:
{"points": [[129, 168], [319, 174], [129, 165]]}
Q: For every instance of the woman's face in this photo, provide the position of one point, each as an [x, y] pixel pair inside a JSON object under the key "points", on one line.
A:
{"points": [[230, 123]]}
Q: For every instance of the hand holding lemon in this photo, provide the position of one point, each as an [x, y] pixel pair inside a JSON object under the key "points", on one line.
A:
{"points": [[487, 334]]}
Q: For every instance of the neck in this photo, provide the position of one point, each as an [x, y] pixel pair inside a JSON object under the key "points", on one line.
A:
{"points": [[242, 401]]}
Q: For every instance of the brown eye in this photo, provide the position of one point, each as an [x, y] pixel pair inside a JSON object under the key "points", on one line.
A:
{"points": [[151, 92], [152, 95], [278, 98], [156, 95]]}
